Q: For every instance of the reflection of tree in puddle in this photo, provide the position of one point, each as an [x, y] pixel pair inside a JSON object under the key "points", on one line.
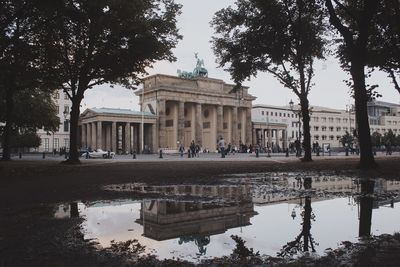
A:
{"points": [[366, 201], [304, 241], [200, 241]]}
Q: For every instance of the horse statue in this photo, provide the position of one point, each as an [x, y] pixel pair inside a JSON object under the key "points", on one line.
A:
{"points": [[199, 70]]}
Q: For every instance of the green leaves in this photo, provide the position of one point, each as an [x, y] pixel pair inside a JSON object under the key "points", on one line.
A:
{"points": [[282, 37]]}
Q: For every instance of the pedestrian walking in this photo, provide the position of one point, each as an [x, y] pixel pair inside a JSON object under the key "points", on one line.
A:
{"points": [[221, 145]]}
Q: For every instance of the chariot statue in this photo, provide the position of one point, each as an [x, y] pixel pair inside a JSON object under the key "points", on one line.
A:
{"points": [[199, 70]]}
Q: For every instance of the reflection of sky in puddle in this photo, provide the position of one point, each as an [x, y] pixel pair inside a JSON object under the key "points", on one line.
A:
{"points": [[189, 219], [270, 230]]}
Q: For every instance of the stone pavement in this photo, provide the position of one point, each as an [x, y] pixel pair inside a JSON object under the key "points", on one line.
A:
{"points": [[278, 157]]}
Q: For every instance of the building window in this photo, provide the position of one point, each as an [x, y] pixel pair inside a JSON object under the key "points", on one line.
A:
{"points": [[316, 128], [46, 144], [292, 115], [276, 113], [316, 137], [66, 109], [66, 126], [344, 120], [338, 129], [57, 109], [338, 120], [331, 137], [267, 113], [188, 124], [57, 95], [324, 137], [206, 125], [345, 129], [66, 96], [331, 129], [225, 124], [169, 123], [323, 128], [316, 119], [56, 144], [167, 111], [330, 119], [262, 112], [66, 143], [338, 137], [292, 134], [206, 113], [239, 126], [323, 119]]}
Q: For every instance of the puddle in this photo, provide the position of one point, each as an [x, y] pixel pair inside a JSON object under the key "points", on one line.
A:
{"points": [[275, 216]]}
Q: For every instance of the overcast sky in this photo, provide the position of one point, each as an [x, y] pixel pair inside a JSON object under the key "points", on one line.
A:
{"points": [[194, 25]]}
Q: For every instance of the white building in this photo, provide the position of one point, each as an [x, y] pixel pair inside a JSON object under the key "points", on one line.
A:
{"points": [[327, 125], [59, 139]]}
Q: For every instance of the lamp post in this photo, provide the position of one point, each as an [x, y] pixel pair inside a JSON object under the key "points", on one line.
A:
{"points": [[291, 104], [66, 122]]}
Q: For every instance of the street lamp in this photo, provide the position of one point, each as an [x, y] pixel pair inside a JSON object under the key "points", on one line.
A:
{"points": [[291, 104], [66, 122]]}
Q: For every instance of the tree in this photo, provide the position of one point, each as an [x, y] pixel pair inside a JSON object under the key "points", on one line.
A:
{"points": [[353, 19], [347, 140], [388, 138], [384, 46], [22, 66], [106, 41], [33, 109], [281, 37], [376, 139]]}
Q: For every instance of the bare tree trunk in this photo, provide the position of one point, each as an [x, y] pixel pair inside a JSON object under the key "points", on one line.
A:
{"points": [[306, 128], [8, 127], [366, 204], [73, 134], [367, 160]]}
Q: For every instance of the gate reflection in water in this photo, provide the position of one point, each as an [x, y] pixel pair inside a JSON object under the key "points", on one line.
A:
{"points": [[200, 225]]}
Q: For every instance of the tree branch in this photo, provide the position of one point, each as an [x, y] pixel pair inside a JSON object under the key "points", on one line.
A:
{"points": [[333, 18]]}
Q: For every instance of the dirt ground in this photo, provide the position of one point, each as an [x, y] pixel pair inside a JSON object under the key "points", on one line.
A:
{"points": [[29, 188]]}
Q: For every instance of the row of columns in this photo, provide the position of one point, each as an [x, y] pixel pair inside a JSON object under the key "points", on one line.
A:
{"points": [[198, 127], [259, 134], [104, 135]]}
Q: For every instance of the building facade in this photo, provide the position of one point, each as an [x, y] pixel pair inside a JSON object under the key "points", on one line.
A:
{"points": [[327, 125], [175, 112], [200, 110], [60, 139], [120, 130]]}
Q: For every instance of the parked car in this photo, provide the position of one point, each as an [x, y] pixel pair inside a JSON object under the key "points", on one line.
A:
{"points": [[98, 153]]}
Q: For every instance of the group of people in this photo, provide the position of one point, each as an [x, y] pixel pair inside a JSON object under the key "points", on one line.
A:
{"points": [[193, 150]]}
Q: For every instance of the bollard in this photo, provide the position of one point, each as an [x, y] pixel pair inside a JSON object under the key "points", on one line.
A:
{"points": [[44, 155], [257, 153], [134, 155], [347, 152], [161, 154], [20, 155], [287, 152], [189, 153]]}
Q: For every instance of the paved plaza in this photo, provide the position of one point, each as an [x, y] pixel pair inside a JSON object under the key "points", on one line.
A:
{"points": [[212, 156]]}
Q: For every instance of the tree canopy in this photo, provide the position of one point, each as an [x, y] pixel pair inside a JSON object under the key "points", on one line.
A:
{"points": [[106, 41], [354, 22], [281, 37], [22, 62]]}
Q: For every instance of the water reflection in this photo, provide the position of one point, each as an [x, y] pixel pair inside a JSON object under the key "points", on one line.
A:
{"points": [[196, 221], [304, 241], [366, 201]]}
